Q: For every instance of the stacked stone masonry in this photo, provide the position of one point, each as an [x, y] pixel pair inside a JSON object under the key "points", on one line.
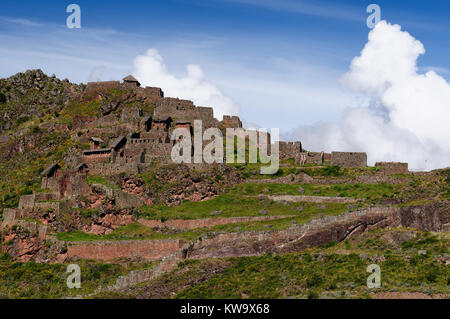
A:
{"points": [[349, 159]]}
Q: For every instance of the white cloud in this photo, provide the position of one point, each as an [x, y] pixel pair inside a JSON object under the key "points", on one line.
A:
{"points": [[150, 70], [21, 21], [408, 118], [96, 74]]}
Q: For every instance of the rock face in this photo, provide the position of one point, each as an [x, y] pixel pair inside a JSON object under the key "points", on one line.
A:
{"points": [[25, 246], [318, 232], [296, 238], [181, 182], [33, 94]]}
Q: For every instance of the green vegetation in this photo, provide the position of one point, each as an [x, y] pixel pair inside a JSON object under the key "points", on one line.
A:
{"points": [[137, 231], [97, 179], [25, 168], [360, 191], [42, 281], [336, 270]]}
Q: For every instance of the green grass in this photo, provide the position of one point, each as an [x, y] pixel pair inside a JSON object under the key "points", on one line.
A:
{"points": [[25, 168], [97, 179], [324, 271], [231, 204], [360, 191], [136, 231], [336, 270], [43, 281]]}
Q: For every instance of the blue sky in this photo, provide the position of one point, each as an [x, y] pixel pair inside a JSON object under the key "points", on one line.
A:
{"points": [[279, 60]]}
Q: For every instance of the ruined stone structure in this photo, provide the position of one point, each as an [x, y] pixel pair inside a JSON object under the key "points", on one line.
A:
{"points": [[131, 80], [312, 158], [145, 137], [96, 143], [290, 150], [391, 168], [132, 140], [81, 122], [62, 185], [232, 121], [349, 159]]}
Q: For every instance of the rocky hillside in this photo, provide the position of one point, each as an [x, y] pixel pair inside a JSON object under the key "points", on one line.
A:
{"points": [[33, 94], [205, 231]]}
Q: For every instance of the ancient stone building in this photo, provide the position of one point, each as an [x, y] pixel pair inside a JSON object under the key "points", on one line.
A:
{"points": [[390, 168], [309, 158], [96, 143], [67, 184], [161, 123], [49, 177], [136, 139], [95, 88], [100, 155], [131, 80], [289, 150], [349, 159], [231, 121], [82, 168]]}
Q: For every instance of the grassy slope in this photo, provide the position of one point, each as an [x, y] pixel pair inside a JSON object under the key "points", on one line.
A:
{"points": [[332, 271], [42, 281], [231, 206]]}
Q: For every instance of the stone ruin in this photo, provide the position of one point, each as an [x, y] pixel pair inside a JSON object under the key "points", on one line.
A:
{"points": [[133, 141], [349, 159], [391, 168]]}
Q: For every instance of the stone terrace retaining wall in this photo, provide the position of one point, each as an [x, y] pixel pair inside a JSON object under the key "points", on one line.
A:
{"points": [[133, 249], [207, 222], [11, 218], [311, 199], [318, 232]]}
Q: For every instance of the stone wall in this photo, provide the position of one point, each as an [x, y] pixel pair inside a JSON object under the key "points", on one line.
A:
{"points": [[349, 159], [125, 200], [131, 115], [153, 145], [391, 168], [96, 158], [289, 150], [26, 202], [318, 232], [170, 104], [99, 87], [314, 158], [82, 122], [154, 93], [11, 218], [231, 121], [148, 250], [311, 199], [187, 224], [106, 120], [185, 110], [116, 168], [64, 185]]}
